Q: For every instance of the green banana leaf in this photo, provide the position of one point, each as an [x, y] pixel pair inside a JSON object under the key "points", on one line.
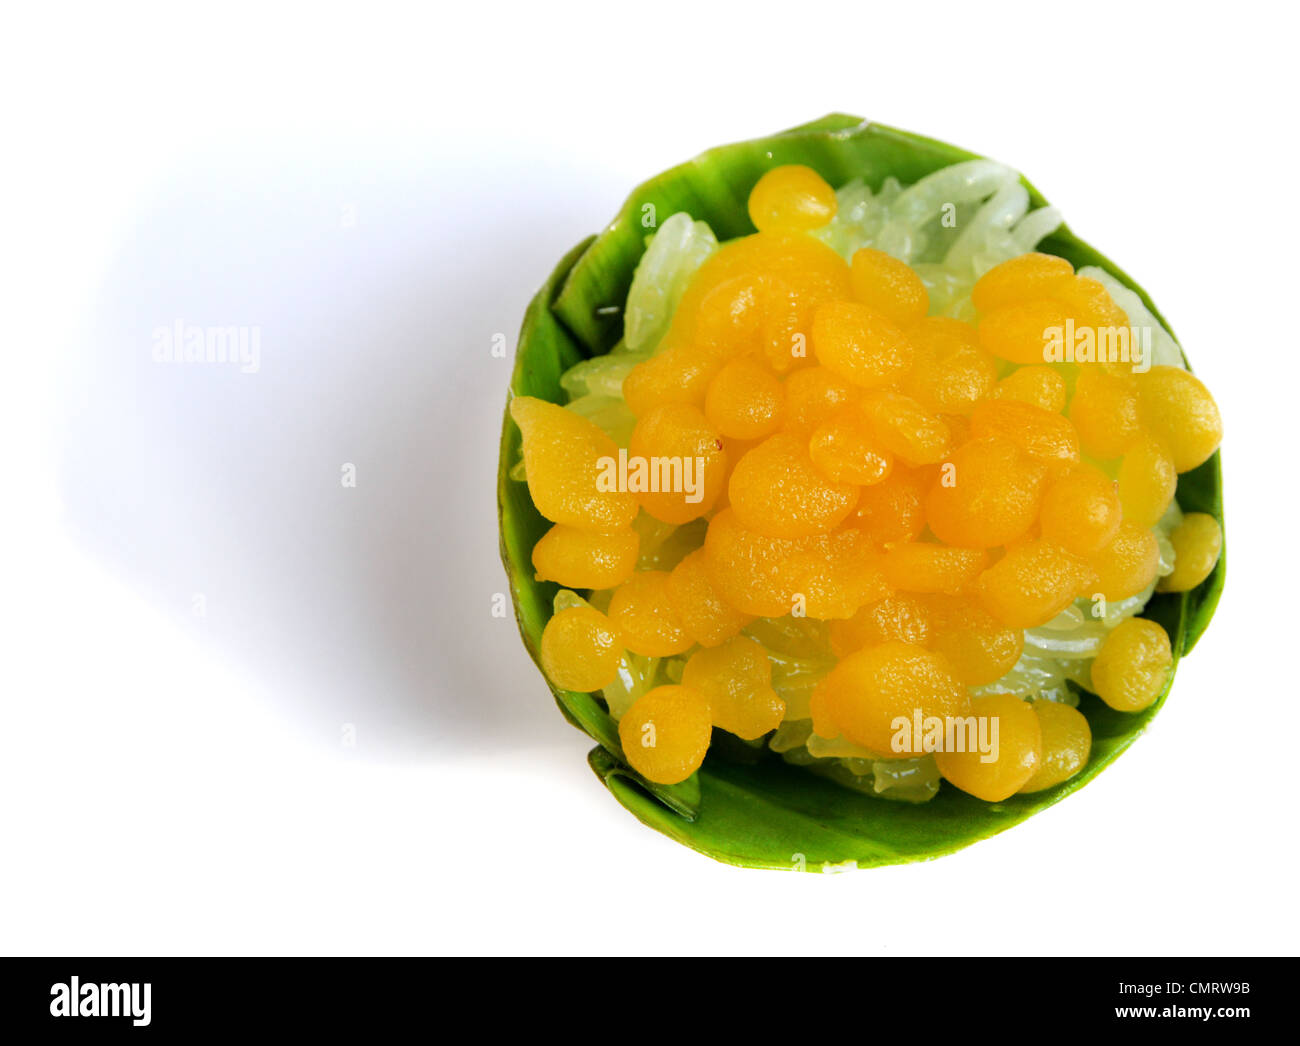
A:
{"points": [[762, 812]]}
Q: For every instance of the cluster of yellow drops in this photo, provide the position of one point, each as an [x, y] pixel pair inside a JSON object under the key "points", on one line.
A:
{"points": [[864, 465]]}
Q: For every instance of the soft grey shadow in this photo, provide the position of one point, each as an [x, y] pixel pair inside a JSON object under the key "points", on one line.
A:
{"points": [[372, 279]]}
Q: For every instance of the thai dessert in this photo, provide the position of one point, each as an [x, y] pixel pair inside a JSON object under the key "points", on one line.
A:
{"points": [[861, 524]]}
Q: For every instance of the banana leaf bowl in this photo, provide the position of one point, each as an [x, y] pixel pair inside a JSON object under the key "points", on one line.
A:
{"points": [[742, 807]]}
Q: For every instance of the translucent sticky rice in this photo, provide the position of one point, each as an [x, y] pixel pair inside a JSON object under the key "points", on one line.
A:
{"points": [[951, 227]]}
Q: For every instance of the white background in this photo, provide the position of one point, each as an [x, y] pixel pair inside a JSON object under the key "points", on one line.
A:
{"points": [[380, 191]]}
